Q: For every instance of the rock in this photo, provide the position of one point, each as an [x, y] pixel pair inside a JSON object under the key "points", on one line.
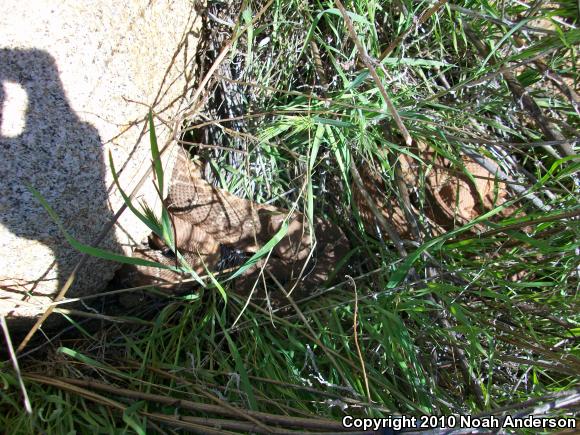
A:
{"points": [[76, 82]]}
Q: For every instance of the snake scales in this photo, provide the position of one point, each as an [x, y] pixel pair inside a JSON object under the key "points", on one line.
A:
{"points": [[218, 230], [215, 229]]}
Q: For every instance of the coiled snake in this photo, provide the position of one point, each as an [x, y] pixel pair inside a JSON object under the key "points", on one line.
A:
{"points": [[216, 230]]}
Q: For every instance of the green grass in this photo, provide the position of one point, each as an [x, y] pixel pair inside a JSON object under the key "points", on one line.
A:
{"points": [[460, 324]]}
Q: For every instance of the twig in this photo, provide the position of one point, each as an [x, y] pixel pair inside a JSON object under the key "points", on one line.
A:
{"points": [[104, 317], [305, 322], [235, 411], [369, 64], [355, 334], [424, 17], [318, 64], [547, 398], [189, 405], [215, 147], [503, 21], [555, 217], [493, 168], [566, 90], [468, 375], [386, 226], [223, 53], [522, 96], [14, 359]]}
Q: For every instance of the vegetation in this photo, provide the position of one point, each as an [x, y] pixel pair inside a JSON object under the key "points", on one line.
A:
{"points": [[479, 319]]}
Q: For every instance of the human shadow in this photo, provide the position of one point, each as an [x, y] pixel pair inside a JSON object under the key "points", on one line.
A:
{"points": [[60, 156]]}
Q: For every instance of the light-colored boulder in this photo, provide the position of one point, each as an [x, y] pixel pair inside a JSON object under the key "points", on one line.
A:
{"points": [[76, 82]]}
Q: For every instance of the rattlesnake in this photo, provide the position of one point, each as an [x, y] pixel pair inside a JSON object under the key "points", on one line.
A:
{"points": [[215, 230]]}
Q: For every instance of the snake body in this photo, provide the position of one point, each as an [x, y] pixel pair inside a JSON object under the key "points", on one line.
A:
{"points": [[215, 230]]}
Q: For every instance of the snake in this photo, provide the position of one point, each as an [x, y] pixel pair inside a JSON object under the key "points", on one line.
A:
{"points": [[215, 230]]}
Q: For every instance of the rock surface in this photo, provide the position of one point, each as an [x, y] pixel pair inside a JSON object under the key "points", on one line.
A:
{"points": [[76, 82]]}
